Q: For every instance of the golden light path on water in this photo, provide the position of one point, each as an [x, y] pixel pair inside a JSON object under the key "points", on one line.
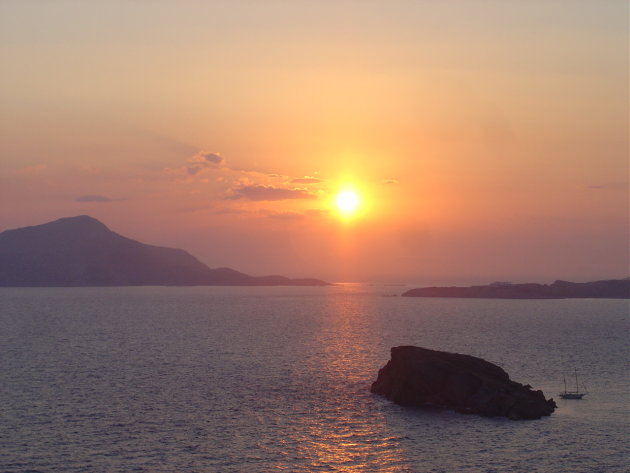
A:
{"points": [[341, 441]]}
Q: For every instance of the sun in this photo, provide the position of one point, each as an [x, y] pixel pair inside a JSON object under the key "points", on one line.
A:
{"points": [[347, 202]]}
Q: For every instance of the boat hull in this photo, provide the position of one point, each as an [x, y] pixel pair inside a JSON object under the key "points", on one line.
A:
{"points": [[571, 395]]}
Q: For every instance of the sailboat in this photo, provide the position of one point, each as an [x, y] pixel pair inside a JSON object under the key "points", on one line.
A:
{"points": [[572, 394]]}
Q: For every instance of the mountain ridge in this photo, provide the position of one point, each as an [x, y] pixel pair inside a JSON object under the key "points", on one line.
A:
{"points": [[82, 251]]}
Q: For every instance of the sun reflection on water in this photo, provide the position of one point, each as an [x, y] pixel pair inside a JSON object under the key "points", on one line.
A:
{"points": [[339, 440]]}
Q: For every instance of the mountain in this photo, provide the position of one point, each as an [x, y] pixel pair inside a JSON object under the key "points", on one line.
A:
{"points": [[607, 289], [81, 251]]}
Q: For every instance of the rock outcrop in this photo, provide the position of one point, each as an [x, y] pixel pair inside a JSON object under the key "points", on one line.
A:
{"points": [[428, 378]]}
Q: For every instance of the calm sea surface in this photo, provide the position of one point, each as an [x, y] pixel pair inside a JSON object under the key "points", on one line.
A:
{"points": [[216, 379]]}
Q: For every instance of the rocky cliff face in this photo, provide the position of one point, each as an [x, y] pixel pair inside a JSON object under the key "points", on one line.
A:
{"points": [[421, 377]]}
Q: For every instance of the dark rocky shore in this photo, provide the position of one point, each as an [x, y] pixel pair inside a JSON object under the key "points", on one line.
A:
{"points": [[428, 378], [608, 289]]}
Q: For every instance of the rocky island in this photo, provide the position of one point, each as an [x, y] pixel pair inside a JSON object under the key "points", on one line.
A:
{"points": [[607, 289], [81, 251], [421, 377]]}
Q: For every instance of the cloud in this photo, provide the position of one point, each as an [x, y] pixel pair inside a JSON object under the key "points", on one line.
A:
{"points": [[311, 213], [229, 212], [31, 170], [540, 218], [261, 193], [306, 180], [204, 160], [93, 198], [286, 216], [390, 181], [317, 212], [610, 186]]}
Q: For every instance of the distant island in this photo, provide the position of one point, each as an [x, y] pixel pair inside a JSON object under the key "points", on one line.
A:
{"points": [[608, 289], [81, 251]]}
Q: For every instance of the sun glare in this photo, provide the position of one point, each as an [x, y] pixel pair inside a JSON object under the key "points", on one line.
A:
{"points": [[347, 202]]}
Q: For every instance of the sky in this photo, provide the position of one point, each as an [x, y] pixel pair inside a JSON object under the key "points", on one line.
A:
{"points": [[485, 140]]}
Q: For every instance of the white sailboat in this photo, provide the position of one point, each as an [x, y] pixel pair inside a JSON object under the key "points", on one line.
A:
{"points": [[572, 394]]}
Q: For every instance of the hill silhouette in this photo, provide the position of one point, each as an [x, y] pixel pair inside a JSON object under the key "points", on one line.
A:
{"points": [[607, 289], [81, 251]]}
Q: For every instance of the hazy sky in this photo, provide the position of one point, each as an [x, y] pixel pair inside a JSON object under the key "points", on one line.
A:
{"points": [[486, 139]]}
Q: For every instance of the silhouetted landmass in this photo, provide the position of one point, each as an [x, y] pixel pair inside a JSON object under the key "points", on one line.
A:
{"points": [[81, 251], [608, 289], [421, 377]]}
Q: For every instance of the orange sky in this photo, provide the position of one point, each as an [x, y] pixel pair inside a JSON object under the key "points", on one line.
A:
{"points": [[487, 139]]}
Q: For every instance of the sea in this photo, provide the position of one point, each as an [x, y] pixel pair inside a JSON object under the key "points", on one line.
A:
{"points": [[276, 379]]}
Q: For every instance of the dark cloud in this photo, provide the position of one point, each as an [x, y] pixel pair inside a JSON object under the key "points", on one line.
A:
{"points": [[215, 158], [306, 180], [261, 193], [203, 160], [93, 198]]}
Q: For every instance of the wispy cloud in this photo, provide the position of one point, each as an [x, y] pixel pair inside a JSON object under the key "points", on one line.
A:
{"points": [[390, 181], [229, 211], [94, 198], [31, 170], [306, 180], [610, 186], [267, 193], [317, 212], [286, 216]]}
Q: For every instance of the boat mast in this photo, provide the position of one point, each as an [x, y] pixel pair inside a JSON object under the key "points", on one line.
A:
{"points": [[564, 378], [577, 389]]}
